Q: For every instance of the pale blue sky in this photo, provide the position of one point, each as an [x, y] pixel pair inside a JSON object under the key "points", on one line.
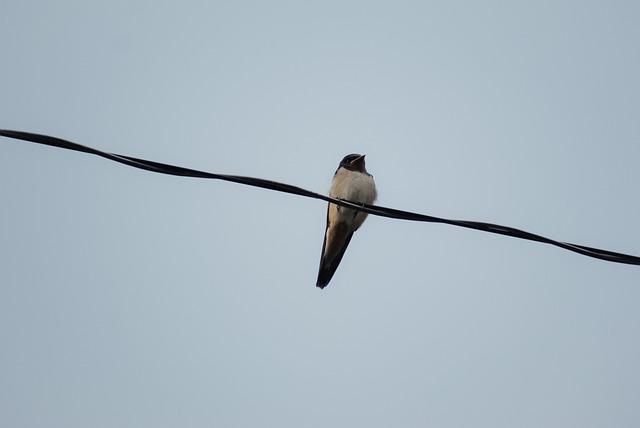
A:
{"points": [[132, 299]]}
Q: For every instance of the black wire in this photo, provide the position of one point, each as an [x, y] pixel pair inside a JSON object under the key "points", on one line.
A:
{"points": [[287, 188]]}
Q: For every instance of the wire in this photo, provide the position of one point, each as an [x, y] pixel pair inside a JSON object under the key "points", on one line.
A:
{"points": [[287, 188]]}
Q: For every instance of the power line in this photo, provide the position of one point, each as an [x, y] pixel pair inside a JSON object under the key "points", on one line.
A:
{"points": [[287, 188]]}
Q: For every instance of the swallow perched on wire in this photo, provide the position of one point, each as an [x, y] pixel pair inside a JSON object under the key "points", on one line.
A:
{"points": [[352, 183]]}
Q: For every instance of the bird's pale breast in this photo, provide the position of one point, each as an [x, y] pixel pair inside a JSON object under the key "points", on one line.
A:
{"points": [[352, 186]]}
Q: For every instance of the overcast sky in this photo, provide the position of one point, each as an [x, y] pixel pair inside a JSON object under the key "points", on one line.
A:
{"points": [[133, 299]]}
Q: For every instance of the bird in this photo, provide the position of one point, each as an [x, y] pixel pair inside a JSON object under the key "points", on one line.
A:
{"points": [[351, 182]]}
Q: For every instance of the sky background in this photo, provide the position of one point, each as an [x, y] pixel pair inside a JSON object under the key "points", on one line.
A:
{"points": [[133, 299]]}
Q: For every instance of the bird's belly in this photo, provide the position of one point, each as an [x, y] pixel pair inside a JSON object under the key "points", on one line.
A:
{"points": [[353, 187]]}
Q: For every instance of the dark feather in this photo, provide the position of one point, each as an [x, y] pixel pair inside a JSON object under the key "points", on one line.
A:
{"points": [[328, 267]]}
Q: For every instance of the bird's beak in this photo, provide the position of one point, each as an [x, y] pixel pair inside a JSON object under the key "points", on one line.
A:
{"points": [[358, 159]]}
